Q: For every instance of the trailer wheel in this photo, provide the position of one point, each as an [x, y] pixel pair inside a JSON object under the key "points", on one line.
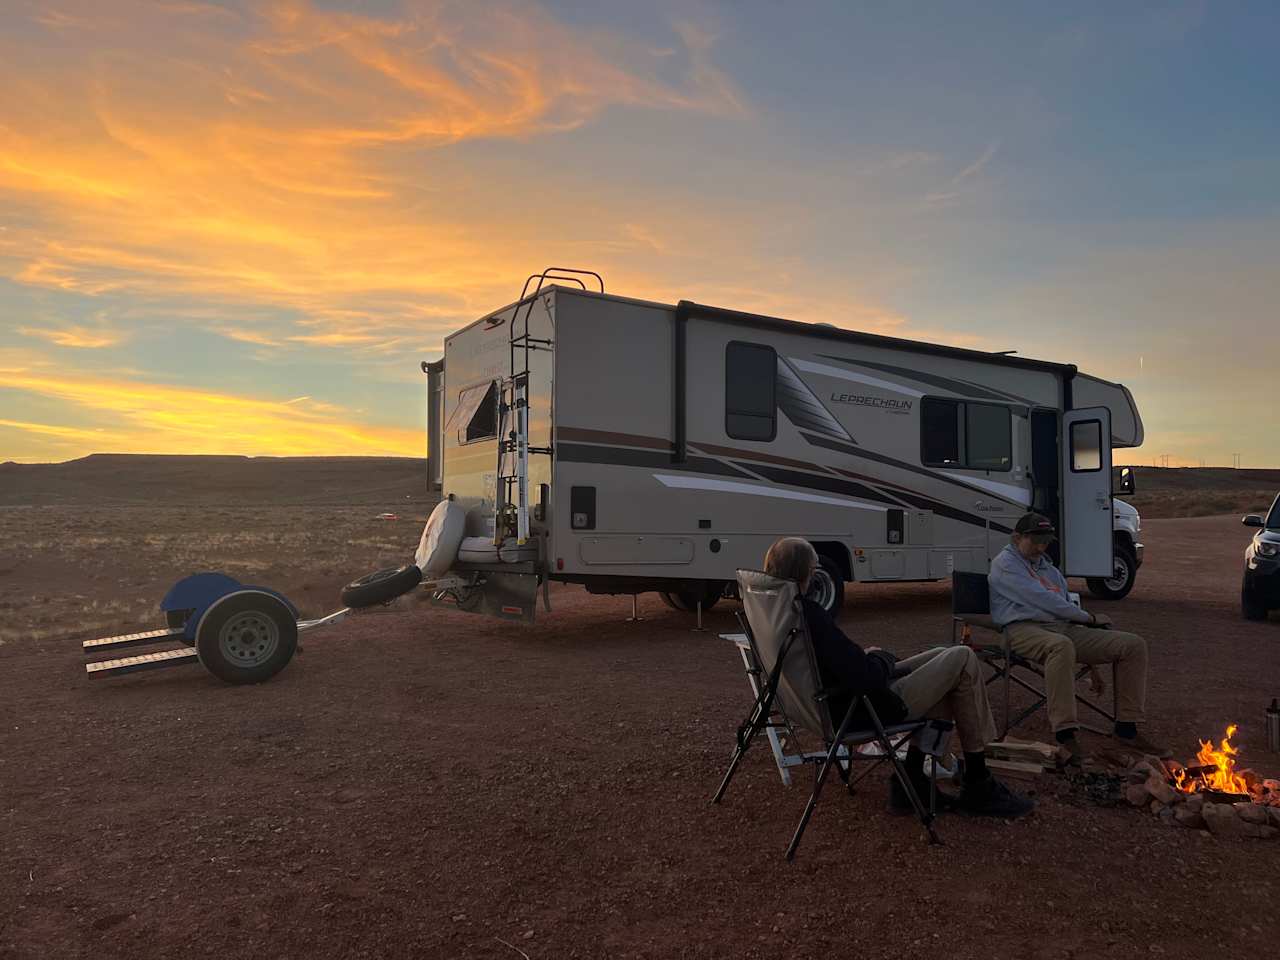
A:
{"points": [[686, 600], [1250, 605], [246, 637], [1118, 585], [381, 586], [826, 589]]}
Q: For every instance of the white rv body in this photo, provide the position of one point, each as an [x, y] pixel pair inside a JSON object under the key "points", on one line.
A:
{"points": [[671, 445]]}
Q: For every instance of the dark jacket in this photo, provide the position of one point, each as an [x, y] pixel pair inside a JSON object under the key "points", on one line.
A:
{"points": [[848, 670]]}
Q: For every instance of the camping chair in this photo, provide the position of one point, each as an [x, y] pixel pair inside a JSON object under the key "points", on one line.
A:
{"points": [[970, 608], [791, 688]]}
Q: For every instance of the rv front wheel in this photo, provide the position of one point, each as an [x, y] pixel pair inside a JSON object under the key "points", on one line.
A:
{"points": [[1118, 585], [827, 586]]}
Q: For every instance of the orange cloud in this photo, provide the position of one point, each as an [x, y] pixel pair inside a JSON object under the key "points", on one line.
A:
{"points": [[154, 417], [286, 155]]}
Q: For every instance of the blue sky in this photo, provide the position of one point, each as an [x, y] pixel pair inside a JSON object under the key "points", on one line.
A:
{"points": [[238, 227]]}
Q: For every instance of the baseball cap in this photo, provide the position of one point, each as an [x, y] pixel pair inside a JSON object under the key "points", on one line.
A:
{"points": [[1034, 523]]}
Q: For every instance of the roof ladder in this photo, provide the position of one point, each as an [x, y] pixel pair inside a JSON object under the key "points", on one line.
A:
{"points": [[513, 408]]}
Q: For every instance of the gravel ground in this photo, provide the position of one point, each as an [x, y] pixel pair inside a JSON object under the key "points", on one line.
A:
{"points": [[421, 783]]}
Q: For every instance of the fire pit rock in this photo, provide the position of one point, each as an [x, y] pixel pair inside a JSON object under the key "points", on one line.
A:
{"points": [[1222, 814], [1189, 816], [1225, 820], [1252, 813]]}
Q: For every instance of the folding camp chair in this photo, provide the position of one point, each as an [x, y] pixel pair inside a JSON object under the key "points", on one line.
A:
{"points": [[791, 689], [970, 608]]}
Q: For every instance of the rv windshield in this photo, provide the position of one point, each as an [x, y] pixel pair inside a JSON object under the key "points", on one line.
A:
{"points": [[1273, 518]]}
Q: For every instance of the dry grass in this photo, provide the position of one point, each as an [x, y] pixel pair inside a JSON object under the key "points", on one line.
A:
{"points": [[1200, 503], [77, 571]]}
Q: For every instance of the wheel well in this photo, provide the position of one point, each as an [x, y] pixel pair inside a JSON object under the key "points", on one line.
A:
{"points": [[1122, 538], [838, 553]]}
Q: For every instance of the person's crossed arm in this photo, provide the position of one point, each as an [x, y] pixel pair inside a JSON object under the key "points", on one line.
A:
{"points": [[1020, 584]]}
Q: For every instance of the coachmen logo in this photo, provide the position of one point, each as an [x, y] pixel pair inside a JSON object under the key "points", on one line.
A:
{"points": [[879, 403]]}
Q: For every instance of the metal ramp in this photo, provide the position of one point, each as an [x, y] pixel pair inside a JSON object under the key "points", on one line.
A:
{"points": [[133, 639], [145, 661]]}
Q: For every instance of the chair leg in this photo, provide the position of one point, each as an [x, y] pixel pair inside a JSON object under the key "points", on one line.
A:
{"points": [[819, 780], [926, 817], [758, 720], [1008, 671]]}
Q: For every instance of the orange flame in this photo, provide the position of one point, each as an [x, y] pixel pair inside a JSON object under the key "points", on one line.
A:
{"points": [[1221, 773]]}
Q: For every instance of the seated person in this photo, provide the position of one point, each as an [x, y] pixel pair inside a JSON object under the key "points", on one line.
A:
{"points": [[943, 683], [1029, 601]]}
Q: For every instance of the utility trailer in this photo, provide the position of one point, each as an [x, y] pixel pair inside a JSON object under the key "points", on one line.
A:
{"points": [[632, 446]]}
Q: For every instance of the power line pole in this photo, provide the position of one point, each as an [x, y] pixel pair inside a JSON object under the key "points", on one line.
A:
{"points": [[1235, 457]]}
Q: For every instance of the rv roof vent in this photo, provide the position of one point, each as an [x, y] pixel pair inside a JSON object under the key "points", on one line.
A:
{"points": [[829, 326]]}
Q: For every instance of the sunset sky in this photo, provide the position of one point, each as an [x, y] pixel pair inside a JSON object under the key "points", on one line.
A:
{"points": [[235, 227]]}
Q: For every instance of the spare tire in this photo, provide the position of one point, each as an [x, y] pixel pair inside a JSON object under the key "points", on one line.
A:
{"points": [[381, 586], [438, 548]]}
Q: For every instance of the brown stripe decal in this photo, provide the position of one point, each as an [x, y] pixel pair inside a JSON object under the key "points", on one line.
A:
{"points": [[583, 435]]}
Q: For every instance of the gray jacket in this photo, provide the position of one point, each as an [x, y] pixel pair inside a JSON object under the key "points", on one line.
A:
{"points": [[1026, 591]]}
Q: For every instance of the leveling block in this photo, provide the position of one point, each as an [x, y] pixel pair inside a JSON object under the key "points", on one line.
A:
{"points": [[240, 634]]}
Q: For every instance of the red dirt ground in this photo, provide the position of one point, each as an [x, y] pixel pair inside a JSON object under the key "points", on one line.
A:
{"points": [[422, 783]]}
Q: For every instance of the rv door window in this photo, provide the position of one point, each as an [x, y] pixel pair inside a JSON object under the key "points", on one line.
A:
{"points": [[1086, 446], [975, 436], [475, 417], [750, 381]]}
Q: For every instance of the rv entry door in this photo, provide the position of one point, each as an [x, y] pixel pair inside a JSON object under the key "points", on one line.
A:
{"points": [[1086, 493]]}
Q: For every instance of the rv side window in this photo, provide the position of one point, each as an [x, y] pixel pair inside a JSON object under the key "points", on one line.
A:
{"points": [[955, 433], [1086, 446], [475, 417], [940, 428], [988, 437], [750, 379]]}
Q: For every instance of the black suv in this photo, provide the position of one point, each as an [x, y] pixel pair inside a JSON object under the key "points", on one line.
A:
{"points": [[1260, 590]]}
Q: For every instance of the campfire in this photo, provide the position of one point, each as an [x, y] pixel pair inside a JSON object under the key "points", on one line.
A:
{"points": [[1212, 793], [1215, 775]]}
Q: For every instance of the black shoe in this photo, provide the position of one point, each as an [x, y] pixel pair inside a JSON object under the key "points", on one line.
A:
{"points": [[900, 803], [991, 798]]}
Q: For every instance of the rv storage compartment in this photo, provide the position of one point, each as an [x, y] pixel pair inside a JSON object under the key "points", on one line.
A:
{"points": [[634, 551]]}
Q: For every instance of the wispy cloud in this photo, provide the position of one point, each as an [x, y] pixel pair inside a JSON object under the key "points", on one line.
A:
{"points": [[83, 337]]}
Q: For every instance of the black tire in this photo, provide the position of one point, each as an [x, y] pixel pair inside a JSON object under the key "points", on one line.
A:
{"points": [[247, 637], [1119, 585], [1250, 605], [686, 600], [827, 586], [381, 586]]}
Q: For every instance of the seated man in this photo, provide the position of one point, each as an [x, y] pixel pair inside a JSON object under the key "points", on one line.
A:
{"points": [[1029, 600], [943, 683]]}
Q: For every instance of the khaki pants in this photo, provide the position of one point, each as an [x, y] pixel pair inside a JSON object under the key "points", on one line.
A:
{"points": [[946, 683], [1060, 646]]}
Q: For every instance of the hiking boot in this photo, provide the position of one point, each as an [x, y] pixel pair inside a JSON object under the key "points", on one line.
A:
{"points": [[900, 803], [991, 798], [1141, 744]]}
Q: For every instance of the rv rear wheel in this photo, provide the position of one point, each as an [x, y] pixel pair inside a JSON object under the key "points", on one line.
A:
{"points": [[686, 601], [826, 589], [1118, 585]]}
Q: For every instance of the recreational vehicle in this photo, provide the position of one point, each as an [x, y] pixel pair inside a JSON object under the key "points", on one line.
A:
{"points": [[632, 447]]}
